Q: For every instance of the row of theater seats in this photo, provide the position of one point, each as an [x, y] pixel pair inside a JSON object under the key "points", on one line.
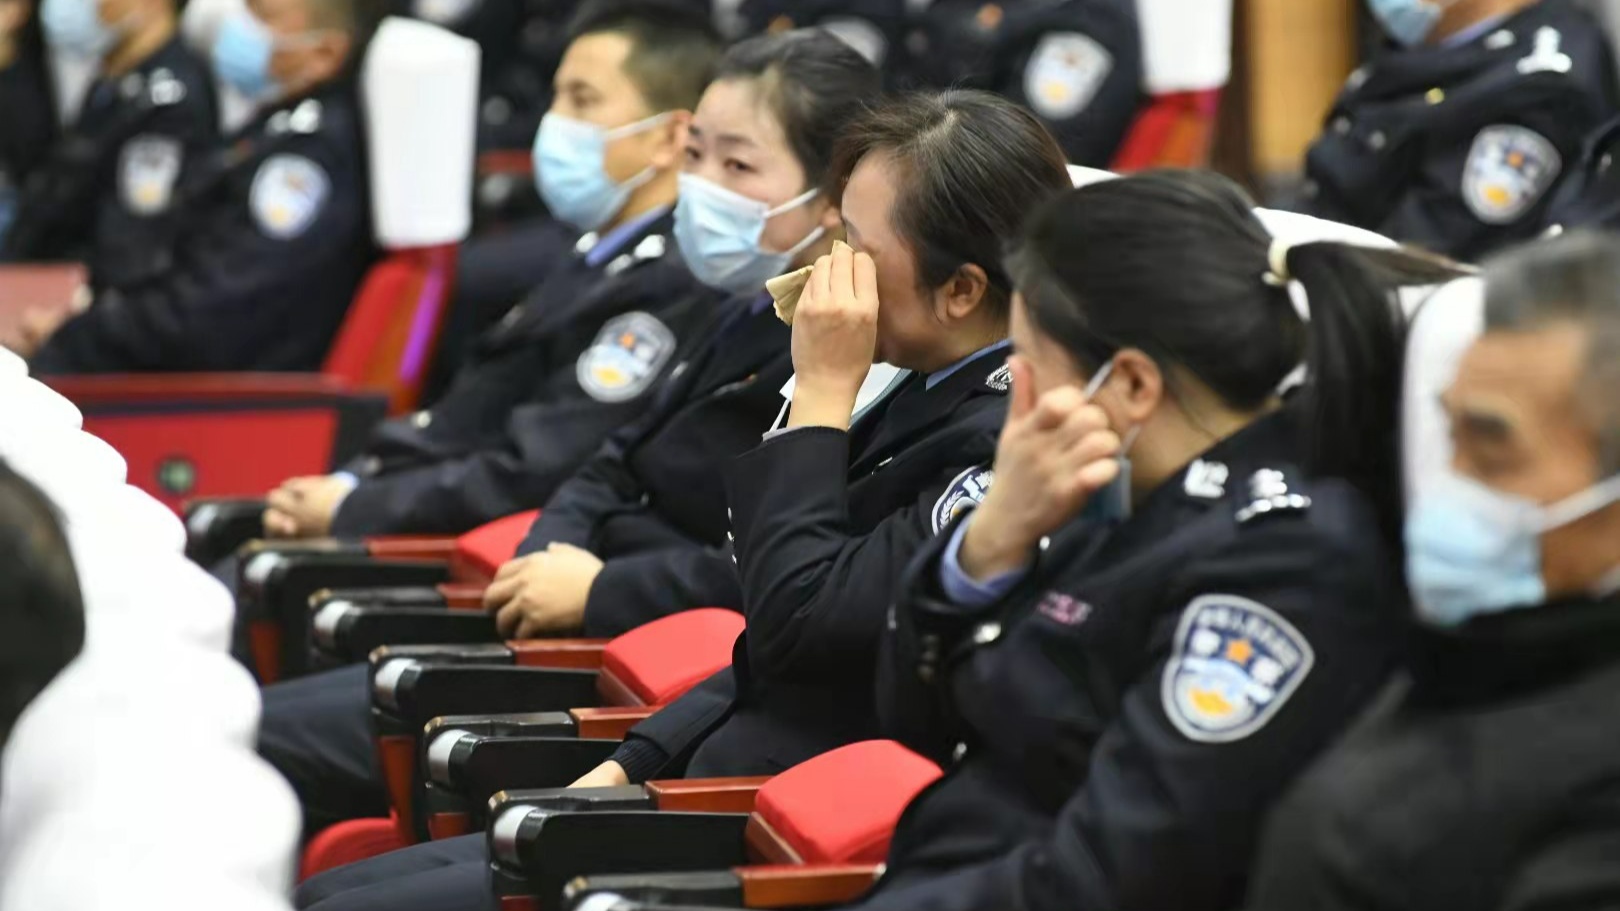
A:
{"points": [[185, 435], [85, 782], [477, 734]]}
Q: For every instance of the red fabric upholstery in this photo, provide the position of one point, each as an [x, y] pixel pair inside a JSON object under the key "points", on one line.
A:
{"points": [[841, 807], [1174, 131], [350, 842], [393, 324], [663, 659], [486, 548]]}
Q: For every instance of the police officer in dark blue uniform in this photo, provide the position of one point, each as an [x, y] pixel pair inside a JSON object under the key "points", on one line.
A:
{"points": [[27, 99], [579, 355], [106, 191], [1499, 742], [1075, 63], [1454, 138], [828, 509], [650, 502], [1138, 682], [274, 232]]}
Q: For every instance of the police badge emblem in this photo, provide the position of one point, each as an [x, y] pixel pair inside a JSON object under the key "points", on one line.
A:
{"points": [[148, 167], [965, 492], [1064, 74], [1000, 379], [1509, 169], [288, 192], [625, 358], [1233, 665]]}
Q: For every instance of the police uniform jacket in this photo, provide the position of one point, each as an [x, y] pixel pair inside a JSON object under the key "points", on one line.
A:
{"points": [[825, 521], [1075, 63], [27, 99], [651, 502], [1456, 148], [1489, 781], [106, 191], [1115, 726], [274, 237], [1589, 195], [543, 389]]}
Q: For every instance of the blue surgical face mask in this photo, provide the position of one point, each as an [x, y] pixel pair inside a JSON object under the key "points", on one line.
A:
{"points": [[1408, 22], [1112, 503], [241, 55], [1471, 550], [75, 26], [571, 174], [719, 234]]}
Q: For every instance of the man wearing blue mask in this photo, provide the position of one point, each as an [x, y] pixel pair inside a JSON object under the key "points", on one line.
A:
{"points": [[274, 232], [1489, 778], [1454, 137], [104, 191]]}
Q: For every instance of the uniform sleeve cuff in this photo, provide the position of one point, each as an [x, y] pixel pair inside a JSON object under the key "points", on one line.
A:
{"points": [[640, 758], [962, 589]]}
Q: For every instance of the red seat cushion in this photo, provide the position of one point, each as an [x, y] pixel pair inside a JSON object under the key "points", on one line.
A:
{"points": [[487, 547], [663, 659], [350, 842], [841, 807]]}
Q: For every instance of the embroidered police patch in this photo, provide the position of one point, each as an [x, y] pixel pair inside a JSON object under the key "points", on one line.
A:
{"points": [[966, 492], [1233, 664], [1000, 379], [1509, 169], [148, 167], [626, 357], [288, 193], [1064, 74]]}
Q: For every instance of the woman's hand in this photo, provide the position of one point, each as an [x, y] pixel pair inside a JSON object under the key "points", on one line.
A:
{"points": [[834, 338], [607, 775], [1054, 453], [543, 594]]}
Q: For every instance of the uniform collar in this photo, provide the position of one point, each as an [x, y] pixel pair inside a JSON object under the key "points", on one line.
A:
{"points": [[1473, 32], [939, 376], [910, 410], [1241, 466], [599, 248]]}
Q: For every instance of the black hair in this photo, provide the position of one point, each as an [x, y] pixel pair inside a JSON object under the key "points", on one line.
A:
{"points": [[673, 47], [814, 83], [973, 166], [1575, 279], [41, 616], [1177, 265]]}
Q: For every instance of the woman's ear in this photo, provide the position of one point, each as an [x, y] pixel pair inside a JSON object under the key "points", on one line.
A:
{"points": [[1136, 386], [963, 293]]}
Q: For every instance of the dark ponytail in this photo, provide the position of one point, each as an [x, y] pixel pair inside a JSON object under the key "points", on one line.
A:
{"points": [[1177, 265]]}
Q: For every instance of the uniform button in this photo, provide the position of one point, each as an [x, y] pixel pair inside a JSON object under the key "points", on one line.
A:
{"points": [[1377, 141], [987, 633], [1435, 96], [958, 752], [1554, 231], [925, 673], [1605, 163], [1046, 542], [1341, 125], [1311, 189], [422, 419]]}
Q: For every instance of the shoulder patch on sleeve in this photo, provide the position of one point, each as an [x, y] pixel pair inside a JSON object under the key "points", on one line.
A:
{"points": [[148, 167], [288, 193], [966, 492], [1064, 74], [1509, 169], [625, 358], [1233, 665]]}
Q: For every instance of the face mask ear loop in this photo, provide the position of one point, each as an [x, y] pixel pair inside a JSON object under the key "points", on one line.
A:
{"points": [[1579, 505], [789, 206]]}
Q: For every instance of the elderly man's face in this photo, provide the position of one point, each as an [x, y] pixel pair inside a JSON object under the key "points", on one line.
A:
{"points": [[1520, 425]]}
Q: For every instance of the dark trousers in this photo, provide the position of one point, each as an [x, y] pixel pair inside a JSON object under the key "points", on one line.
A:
{"points": [[317, 732], [449, 875]]}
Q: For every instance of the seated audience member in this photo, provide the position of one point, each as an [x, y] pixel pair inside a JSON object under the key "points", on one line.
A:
{"points": [[650, 503], [1076, 63], [27, 99], [828, 511], [1454, 138], [273, 233], [107, 189], [580, 354], [41, 618], [1488, 779]]}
